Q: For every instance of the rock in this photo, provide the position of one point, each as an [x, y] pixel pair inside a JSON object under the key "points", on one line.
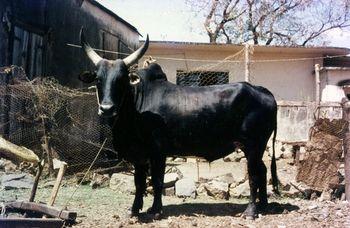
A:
{"points": [[234, 157], [279, 149], [232, 180], [326, 195], [201, 190], [169, 191], [185, 188], [180, 160], [170, 179], [192, 160], [122, 182], [99, 180], [174, 169], [2, 164], [241, 190], [288, 151], [169, 159], [17, 181], [217, 189], [149, 190], [78, 178], [9, 167]]}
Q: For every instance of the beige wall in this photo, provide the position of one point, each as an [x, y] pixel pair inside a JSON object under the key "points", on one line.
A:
{"points": [[334, 76], [288, 80]]}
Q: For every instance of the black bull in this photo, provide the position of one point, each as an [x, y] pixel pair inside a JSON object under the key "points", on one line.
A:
{"points": [[153, 118]]}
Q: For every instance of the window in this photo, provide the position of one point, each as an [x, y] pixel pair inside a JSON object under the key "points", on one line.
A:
{"points": [[201, 78], [28, 51]]}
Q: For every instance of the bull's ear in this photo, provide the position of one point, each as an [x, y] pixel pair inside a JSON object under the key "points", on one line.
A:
{"points": [[134, 79], [87, 76]]}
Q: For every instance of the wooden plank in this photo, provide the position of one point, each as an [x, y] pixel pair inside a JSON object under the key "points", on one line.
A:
{"points": [[36, 181], [42, 208], [30, 222], [57, 183]]}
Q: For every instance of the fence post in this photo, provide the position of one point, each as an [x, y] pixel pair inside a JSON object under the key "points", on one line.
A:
{"points": [[247, 62], [346, 116], [46, 146], [318, 83]]}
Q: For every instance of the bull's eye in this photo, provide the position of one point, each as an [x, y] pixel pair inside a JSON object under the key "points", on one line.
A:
{"points": [[98, 80]]}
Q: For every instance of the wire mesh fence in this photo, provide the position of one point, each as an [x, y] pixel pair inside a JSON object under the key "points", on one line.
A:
{"points": [[32, 110]]}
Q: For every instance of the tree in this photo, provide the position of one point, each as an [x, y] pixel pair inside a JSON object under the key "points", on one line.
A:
{"points": [[279, 22]]}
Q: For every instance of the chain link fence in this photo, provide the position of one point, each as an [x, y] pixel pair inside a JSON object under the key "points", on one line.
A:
{"points": [[32, 110]]}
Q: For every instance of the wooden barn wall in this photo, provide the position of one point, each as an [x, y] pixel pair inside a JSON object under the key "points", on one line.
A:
{"points": [[3, 36], [60, 21]]}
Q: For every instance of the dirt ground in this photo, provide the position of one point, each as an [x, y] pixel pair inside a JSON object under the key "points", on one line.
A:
{"points": [[106, 208]]}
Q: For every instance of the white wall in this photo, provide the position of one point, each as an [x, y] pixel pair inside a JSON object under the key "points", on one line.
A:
{"points": [[287, 80]]}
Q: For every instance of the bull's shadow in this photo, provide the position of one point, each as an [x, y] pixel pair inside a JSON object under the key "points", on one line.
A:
{"points": [[216, 209]]}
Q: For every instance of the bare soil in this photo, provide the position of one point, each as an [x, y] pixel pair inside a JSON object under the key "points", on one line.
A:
{"points": [[106, 208]]}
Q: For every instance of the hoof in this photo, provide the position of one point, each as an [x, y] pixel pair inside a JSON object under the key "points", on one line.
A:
{"points": [[250, 213], [157, 214], [131, 213], [262, 207]]}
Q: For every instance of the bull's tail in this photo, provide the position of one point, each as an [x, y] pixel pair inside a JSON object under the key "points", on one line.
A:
{"points": [[273, 163]]}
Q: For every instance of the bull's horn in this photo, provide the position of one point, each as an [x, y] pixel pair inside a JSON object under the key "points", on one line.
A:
{"points": [[95, 58], [134, 57]]}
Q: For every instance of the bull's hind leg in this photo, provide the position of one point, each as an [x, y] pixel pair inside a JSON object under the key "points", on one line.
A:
{"points": [[140, 184], [257, 180], [251, 210], [262, 186], [157, 172]]}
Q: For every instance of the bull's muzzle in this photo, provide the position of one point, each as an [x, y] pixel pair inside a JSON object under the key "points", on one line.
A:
{"points": [[107, 110]]}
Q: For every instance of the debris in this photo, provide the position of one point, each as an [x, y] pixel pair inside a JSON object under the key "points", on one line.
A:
{"points": [[319, 170]]}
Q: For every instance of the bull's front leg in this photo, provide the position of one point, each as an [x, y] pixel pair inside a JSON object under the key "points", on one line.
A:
{"points": [[157, 173], [140, 184]]}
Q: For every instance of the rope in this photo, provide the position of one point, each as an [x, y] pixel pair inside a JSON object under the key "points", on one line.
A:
{"points": [[93, 162], [225, 60]]}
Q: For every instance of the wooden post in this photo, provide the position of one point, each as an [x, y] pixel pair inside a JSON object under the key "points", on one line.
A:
{"points": [[57, 183], [317, 90], [46, 147], [247, 62], [346, 116], [317, 84], [36, 181]]}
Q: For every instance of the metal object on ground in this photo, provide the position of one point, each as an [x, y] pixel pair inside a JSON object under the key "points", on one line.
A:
{"points": [[31, 222], [65, 215]]}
